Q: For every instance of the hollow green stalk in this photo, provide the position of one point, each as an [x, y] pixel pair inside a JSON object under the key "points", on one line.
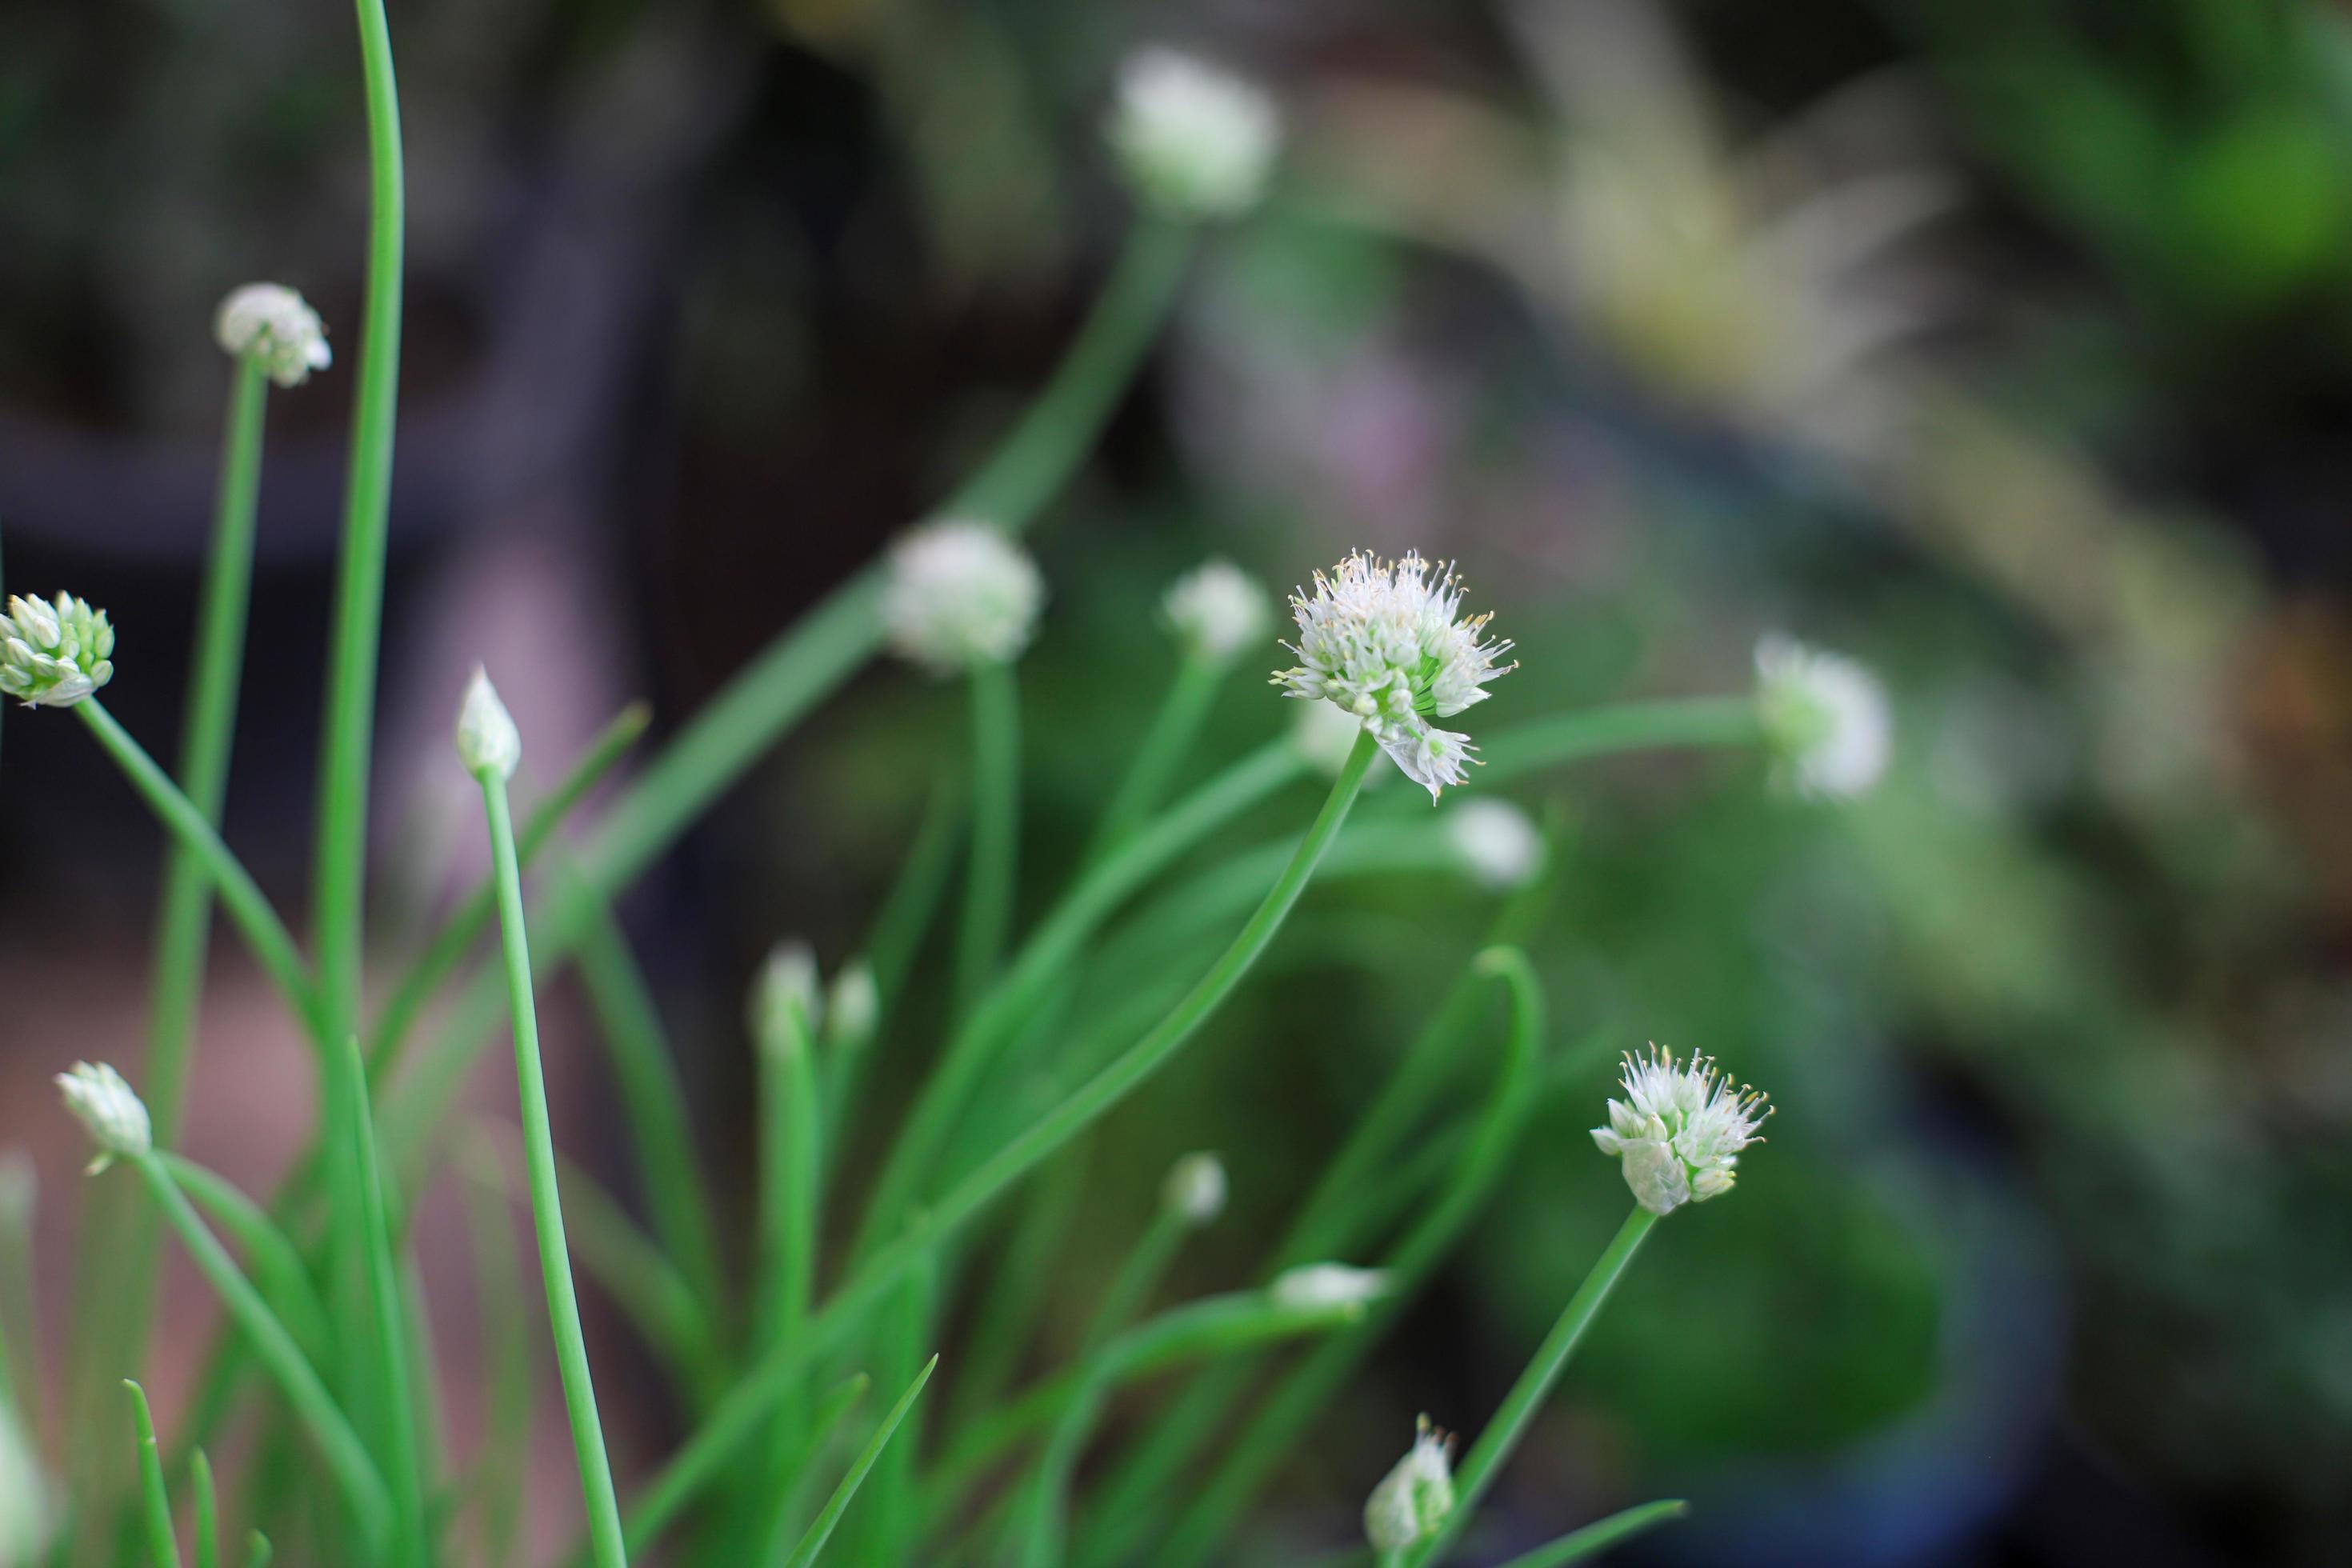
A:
{"points": [[194, 832], [1009, 1309], [1173, 731], [888, 1520], [339, 863], [155, 1504], [276, 1267], [995, 832], [1495, 1444], [1670, 723], [741, 1414], [546, 1202], [207, 1521], [1601, 1535], [355, 1473], [507, 1393], [395, 1399], [791, 1165], [829, 1515], [830, 1412]]}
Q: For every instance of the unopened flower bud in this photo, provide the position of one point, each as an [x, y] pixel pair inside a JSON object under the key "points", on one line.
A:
{"points": [[1217, 610], [960, 596], [487, 741], [272, 324], [853, 1009], [111, 1112], [1195, 142], [787, 1003], [1194, 1191], [1499, 846], [1415, 1496], [1335, 1285], [1826, 718], [52, 655]]}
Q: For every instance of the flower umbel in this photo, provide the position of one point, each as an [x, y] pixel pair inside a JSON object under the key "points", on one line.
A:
{"points": [[1679, 1130], [54, 654], [1826, 717], [1194, 1191], [960, 595], [110, 1109], [1415, 1496], [487, 741], [1336, 1285], [1499, 846], [1217, 610], [273, 324], [1386, 642], [1196, 142]]}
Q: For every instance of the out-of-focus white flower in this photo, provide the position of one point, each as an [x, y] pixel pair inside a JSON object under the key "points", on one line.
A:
{"points": [[960, 595], [1194, 1191], [1415, 1496], [1679, 1130], [1324, 736], [1217, 610], [787, 991], [1386, 641], [271, 323], [487, 741], [54, 654], [1195, 142], [1498, 844], [1826, 717], [1313, 1285], [853, 1009], [24, 1495], [112, 1112]]}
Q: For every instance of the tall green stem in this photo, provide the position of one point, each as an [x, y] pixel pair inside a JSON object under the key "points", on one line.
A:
{"points": [[1534, 1386], [1165, 745], [412, 1541], [546, 1203], [339, 866], [995, 832]]}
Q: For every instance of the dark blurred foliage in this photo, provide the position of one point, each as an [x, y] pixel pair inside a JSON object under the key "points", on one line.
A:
{"points": [[2006, 343]]}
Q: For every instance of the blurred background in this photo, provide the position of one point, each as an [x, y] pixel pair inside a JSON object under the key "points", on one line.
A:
{"points": [[2005, 344]]}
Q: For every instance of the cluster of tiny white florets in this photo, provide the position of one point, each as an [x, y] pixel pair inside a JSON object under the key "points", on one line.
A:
{"points": [[487, 740], [1195, 142], [1195, 1192], [110, 1109], [274, 325], [1825, 716], [1385, 641], [1217, 610], [960, 595], [1679, 1130], [1327, 1286], [1498, 844], [1414, 1499], [54, 654]]}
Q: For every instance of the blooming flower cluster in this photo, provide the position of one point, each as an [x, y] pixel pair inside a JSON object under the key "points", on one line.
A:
{"points": [[1679, 1130], [1386, 642], [1825, 716], [1195, 142], [960, 595], [110, 1109], [273, 324], [1216, 610], [1414, 1497], [54, 654]]}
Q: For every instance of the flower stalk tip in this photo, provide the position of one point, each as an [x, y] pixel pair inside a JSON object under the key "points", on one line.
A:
{"points": [[55, 654], [1195, 142], [1195, 1192], [487, 741], [1416, 1497], [109, 1109], [787, 991], [275, 326], [1217, 610], [1826, 718], [1680, 1128], [960, 596], [1497, 843], [1334, 1285]]}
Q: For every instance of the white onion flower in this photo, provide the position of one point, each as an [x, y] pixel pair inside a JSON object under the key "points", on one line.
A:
{"points": [[1415, 1496], [853, 1007], [1498, 844], [1216, 610], [960, 595], [1385, 641], [1679, 1130], [788, 985], [54, 654], [1194, 1191], [109, 1109], [272, 324], [1826, 717], [1195, 142], [487, 741], [1333, 1285]]}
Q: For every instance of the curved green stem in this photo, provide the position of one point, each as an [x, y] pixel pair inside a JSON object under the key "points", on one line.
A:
{"points": [[1534, 1386], [276, 1267], [258, 923], [1165, 745], [1696, 721], [155, 1504], [995, 832], [546, 1201], [1601, 1535], [395, 1398]]}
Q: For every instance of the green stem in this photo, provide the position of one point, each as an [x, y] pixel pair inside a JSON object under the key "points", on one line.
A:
{"points": [[1510, 1421], [1601, 1535], [1165, 746], [207, 1521], [741, 1412], [347, 1456], [505, 1340], [340, 866], [395, 1398], [1010, 1309], [546, 1202], [155, 1510], [791, 1158], [1696, 721], [276, 1267], [457, 937], [995, 832], [262, 929], [829, 1515]]}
